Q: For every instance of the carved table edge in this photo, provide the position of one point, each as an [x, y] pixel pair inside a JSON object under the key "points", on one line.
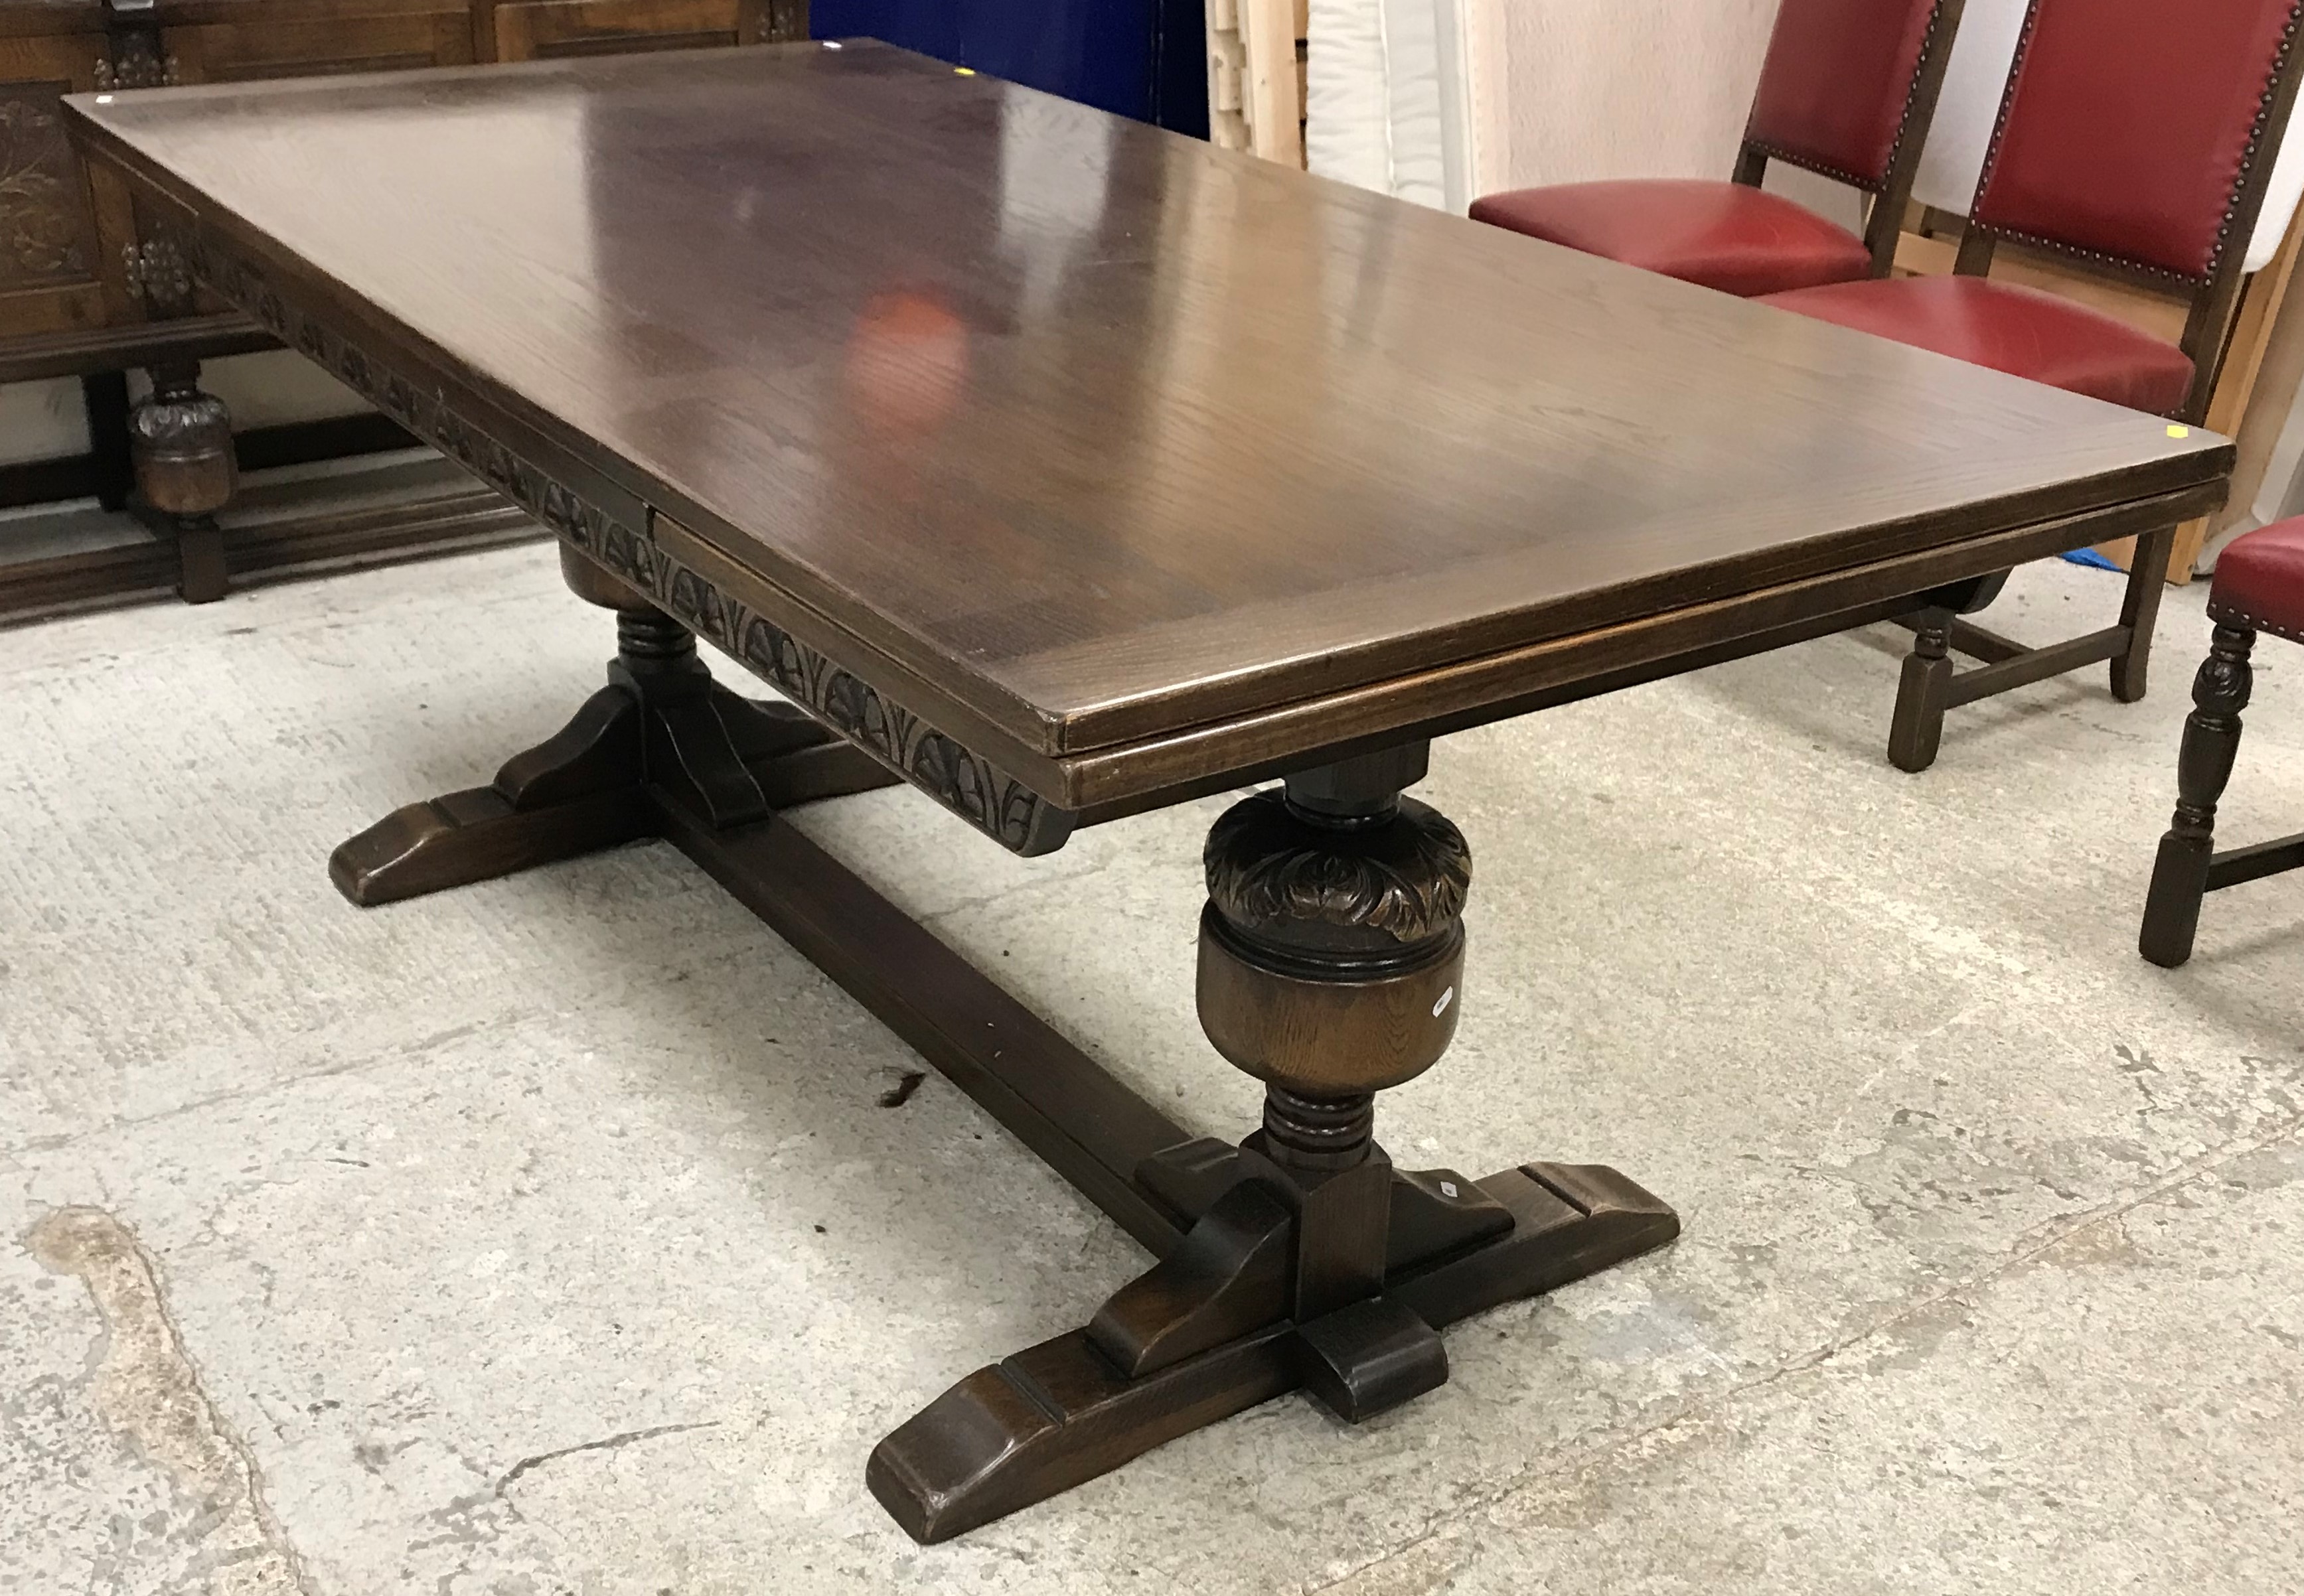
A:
{"points": [[972, 786]]}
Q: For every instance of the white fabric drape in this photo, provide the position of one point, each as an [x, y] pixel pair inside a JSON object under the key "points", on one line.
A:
{"points": [[1389, 101], [1444, 100]]}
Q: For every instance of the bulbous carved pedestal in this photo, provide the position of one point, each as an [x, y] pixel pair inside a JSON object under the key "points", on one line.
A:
{"points": [[180, 446], [1331, 947], [1331, 967], [180, 438]]}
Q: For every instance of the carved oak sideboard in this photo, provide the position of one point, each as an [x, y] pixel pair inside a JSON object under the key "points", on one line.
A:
{"points": [[86, 291]]}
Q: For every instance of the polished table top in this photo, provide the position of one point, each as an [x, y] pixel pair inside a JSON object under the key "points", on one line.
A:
{"points": [[1087, 434]]}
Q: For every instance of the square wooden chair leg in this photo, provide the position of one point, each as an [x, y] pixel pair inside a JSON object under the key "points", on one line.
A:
{"points": [[2139, 612]]}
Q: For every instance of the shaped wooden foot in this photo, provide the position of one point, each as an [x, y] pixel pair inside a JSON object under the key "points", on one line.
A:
{"points": [[1332, 956], [1060, 1413], [1054, 1417], [661, 732], [582, 790]]}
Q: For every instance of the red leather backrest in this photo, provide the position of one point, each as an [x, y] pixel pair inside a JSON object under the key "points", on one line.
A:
{"points": [[1838, 77], [2126, 121]]}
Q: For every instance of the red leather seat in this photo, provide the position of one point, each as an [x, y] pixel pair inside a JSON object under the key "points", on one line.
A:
{"points": [[1726, 236], [1846, 89], [2018, 330], [2126, 136], [2261, 581]]}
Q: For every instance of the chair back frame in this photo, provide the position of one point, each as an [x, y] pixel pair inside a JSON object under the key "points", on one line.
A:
{"points": [[2214, 299], [1884, 222]]}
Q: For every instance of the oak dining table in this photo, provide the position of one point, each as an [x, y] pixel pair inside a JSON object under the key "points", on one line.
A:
{"points": [[1065, 468]]}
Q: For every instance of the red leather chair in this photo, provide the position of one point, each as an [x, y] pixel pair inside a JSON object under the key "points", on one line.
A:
{"points": [[1847, 90], [2259, 587], [2138, 136]]}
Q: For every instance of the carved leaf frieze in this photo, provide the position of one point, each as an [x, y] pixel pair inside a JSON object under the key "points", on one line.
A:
{"points": [[1405, 881]]}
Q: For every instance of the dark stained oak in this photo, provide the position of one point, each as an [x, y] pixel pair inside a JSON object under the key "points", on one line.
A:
{"points": [[1066, 468], [1084, 432]]}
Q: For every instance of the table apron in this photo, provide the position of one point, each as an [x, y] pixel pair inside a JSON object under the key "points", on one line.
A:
{"points": [[1114, 782]]}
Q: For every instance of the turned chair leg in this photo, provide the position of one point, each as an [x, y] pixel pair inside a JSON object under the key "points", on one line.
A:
{"points": [[2179, 876], [2139, 611], [1923, 694]]}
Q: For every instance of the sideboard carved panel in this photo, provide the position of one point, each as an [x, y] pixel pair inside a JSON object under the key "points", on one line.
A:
{"points": [[46, 236]]}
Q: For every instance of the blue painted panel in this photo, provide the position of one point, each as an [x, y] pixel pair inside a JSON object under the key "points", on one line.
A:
{"points": [[1180, 67], [1139, 58], [1098, 51], [931, 27]]}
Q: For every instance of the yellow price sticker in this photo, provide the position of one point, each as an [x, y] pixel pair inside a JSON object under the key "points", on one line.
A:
{"points": [[2179, 432], [963, 71]]}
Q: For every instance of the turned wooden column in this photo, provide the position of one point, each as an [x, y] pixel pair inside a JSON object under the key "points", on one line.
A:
{"points": [[1331, 957], [655, 657], [180, 445], [2180, 874], [180, 438], [1331, 948], [694, 732]]}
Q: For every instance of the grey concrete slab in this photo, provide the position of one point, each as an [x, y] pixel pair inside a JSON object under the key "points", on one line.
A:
{"points": [[2113, 1409]]}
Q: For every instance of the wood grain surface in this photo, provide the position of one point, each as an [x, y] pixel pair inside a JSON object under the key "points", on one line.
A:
{"points": [[1107, 435]]}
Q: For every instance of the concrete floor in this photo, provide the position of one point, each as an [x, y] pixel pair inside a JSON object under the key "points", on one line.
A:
{"points": [[548, 1237]]}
